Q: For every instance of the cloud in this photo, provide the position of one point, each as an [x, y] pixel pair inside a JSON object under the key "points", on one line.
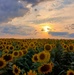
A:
{"points": [[35, 2], [61, 34], [10, 9], [54, 19], [71, 35], [58, 33], [17, 30]]}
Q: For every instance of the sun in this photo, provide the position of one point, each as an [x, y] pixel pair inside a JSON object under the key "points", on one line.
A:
{"points": [[46, 28]]}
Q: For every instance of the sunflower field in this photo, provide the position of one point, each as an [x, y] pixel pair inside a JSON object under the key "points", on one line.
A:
{"points": [[36, 57]]}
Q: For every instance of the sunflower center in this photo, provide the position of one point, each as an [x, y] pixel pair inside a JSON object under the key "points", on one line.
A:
{"points": [[1, 63], [71, 73], [0, 47], [15, 53], [16, 70], [11, 48], [42, 56], [35, 58], [7, 57], [71, 47], [47, 47], [45, 68], [65, 46]]}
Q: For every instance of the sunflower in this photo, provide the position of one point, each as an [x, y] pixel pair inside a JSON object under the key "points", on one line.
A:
{"points": [[17, 47], [7, 57], [71, 47], [5, 42], [25, 51], [1, 47], [43, 56], [5, 51], [11, 47], [31, 45], [16, 70], [31, 73], [52, 64], [7, 47], [70, 72], [1, 42], [35, 58], [2, 63], [15, 53], [45, 68], [65, 46], [20, 53], [47, 47]]}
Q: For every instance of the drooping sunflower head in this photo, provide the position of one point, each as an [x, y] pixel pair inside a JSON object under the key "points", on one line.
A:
{"points": [[35, 58], [70, 72], [31, 73], [48, 47], [45, 68], [2, 63], [16, 70], [7, 57]]}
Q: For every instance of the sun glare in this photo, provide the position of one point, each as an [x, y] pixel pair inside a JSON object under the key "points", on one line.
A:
{"points": [[46, 28]]}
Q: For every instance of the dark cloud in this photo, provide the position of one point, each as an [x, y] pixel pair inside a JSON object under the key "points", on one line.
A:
{"points": [[62, 34], [58, 33], [71, 35], [10, 9]]}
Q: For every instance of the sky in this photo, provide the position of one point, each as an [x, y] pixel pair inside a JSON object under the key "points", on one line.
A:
{"points": [[23, 19]]}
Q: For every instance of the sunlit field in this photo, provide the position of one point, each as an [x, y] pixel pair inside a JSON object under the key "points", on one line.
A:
{"points": [[36, 57]]}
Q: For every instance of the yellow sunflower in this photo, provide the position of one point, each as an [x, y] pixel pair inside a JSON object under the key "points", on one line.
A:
{"points": [[35, 58], [1, 47], [16, 70], [48, 47], [11, 47], [71, 47], [65, 46], [25, 51], [31, 73], [7, 57], [52, 64], [5, 51], [43, 56], [20, 53], [15, 53], [2, 63], [31, 45], [70, 72], [45, 68]]}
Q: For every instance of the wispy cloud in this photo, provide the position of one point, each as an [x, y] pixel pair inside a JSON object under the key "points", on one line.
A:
{"points": [[14, 30]]}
